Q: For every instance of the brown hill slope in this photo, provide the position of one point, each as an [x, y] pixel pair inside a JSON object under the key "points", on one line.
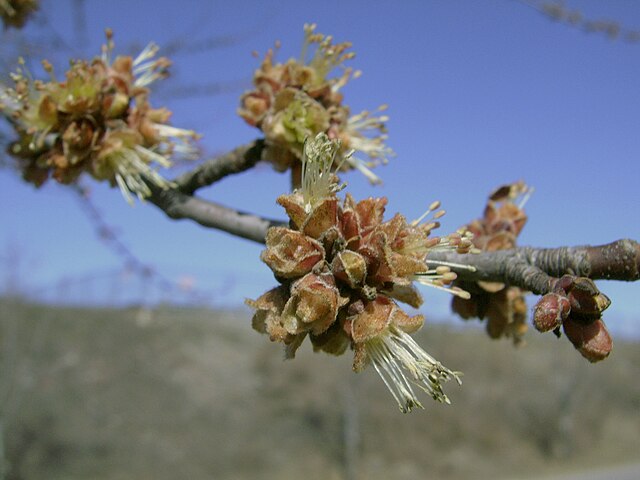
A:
{"points": [[193, 394]]}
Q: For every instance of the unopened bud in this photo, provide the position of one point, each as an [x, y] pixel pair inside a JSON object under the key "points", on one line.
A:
{"points": [[350, 267], [591, 340], [289, 253], [115, 105], [587, 303], [563, 284], [550, 311], [322, 217]]}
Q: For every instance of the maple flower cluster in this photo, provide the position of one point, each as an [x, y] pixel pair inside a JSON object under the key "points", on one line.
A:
{"points": [[97, 120], [503, 306], [298, 99], [342, 270], [14, 13]]}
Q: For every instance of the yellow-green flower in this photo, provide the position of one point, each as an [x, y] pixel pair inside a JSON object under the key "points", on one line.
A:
{"points": [[300, 98], [98, 120]]}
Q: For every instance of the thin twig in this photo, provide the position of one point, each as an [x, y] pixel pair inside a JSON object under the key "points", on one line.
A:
{"points": [[209, 172], [178, 205]]}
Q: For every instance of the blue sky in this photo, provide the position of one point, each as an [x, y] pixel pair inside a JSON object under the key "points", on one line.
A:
{"points": [[480, 93]]}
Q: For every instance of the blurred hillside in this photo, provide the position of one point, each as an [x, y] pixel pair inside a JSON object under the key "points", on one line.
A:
{"points": [[185, 393]]}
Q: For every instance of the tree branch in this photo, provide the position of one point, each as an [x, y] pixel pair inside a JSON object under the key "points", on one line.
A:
{"points": [[533, 269], [178, 205], [209, 172]]}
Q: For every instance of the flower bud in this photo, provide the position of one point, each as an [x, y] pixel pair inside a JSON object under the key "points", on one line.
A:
{"points": [[254, 106], [502, 240], [406, 292], [313, 305], [350, 267], [406, 323], [269, 307], [370, 213], [591, 340], [587, 303], [115, 105], [321, 218], [373, 319], [77, 141], [34, 174], [291, 254], [294, 206], [564, 284], [47, 111], [550, 311]]}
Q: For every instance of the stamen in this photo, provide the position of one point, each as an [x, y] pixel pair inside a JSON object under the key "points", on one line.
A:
{"points": [[148, 52], [434, 206], [525, 197], [434, 281], [392, 354], [360, 165], [459, 266], [318, 180]]}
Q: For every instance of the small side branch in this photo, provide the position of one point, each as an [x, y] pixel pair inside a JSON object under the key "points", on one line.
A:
{"points": [[236, 161], [177, 206]]}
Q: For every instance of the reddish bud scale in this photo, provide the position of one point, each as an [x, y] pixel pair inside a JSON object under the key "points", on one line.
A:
{"points": [[350, 267], [291, 254], [550, 311], [313, 304], [587, 303], [591, 340], [577, 305]]}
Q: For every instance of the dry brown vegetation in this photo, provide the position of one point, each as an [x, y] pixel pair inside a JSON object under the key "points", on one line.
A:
{"points": [[113, 394]]}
